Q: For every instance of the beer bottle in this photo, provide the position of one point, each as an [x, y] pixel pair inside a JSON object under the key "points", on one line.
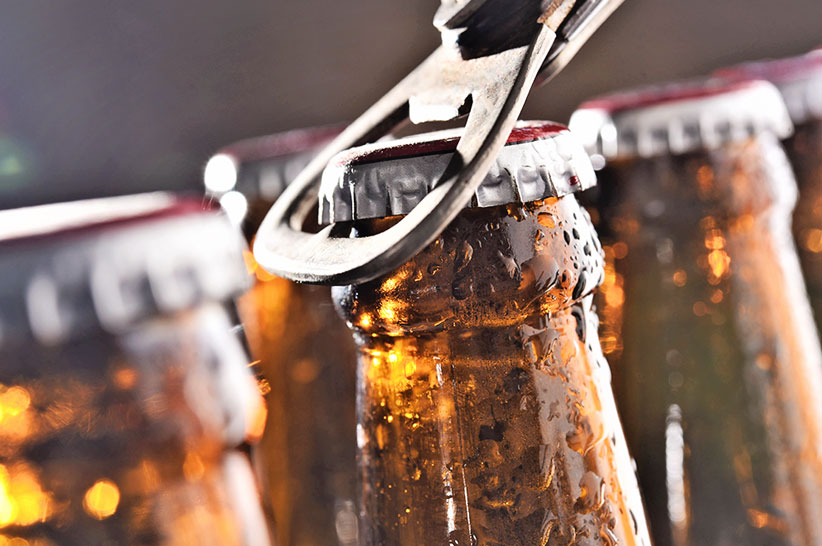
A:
{"points": [[123, 393], [720, 378], [304, 353], [484, 409], [799, 79]]}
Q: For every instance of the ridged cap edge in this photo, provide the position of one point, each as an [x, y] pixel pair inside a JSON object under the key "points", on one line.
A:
{"points": [[111, 275], [679, 118], [541, 159]]}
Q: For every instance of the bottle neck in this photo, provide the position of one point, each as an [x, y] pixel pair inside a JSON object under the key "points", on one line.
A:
{"points": [[391, 361], [490, 269]]}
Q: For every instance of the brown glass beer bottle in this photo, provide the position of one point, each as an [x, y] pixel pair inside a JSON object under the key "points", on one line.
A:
{"points": [[720, 378], [305, 357], [123, 393], [799, 79], [485, 413]]}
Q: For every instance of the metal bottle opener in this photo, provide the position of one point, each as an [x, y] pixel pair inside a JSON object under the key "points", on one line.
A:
{"points": [[493, 52]]}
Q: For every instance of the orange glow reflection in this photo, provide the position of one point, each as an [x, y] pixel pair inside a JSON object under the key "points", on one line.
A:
{"points": [[256, 425], [714, 240], [813, 240], [15, 419], [719, 262], [22, 499], [124, 378], [193, 467], [392, 370], [365, 320], [14, 401], [612, 301], [388, 310], [101, 499]]}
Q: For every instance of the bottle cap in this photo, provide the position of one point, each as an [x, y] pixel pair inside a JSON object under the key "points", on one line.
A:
{"points": [[70, 268], [541, 159], [258, 169], [677, 118], [799, 79]]}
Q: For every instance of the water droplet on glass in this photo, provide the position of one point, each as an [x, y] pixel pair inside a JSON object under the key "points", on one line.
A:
{"points": [[510, 265], [592, 492], [545, 270], [579, 289], [462, 287], [579, 317], [464, 256], [546, 219]]}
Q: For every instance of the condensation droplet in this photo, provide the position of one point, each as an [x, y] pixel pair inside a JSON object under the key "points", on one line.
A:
{"points": [[465, 255], [582, 283], [462, 287], [510, 265], [546, 219]]}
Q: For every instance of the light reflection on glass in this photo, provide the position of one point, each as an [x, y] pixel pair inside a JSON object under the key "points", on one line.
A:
{"points": [[102, 498], [675, 475], [220, 174]]}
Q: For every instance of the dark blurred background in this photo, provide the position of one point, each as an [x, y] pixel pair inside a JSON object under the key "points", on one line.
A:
{"points": [[106, 97]]}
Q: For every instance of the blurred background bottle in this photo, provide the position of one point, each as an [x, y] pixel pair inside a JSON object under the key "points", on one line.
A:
{"points": [[799, 79], [720, 374], [123, 393], [485, 414], [304, 355]]}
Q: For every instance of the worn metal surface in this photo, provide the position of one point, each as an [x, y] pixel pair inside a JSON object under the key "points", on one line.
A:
{"points": [[489, 82]]}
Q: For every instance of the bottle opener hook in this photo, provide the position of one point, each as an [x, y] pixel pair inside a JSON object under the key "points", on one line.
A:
{"points": [[492, 78]]}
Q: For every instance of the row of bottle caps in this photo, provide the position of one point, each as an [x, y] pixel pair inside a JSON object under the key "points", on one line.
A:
{"points": [[673, 118]]}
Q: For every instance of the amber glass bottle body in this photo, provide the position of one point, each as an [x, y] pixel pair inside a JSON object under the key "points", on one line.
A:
{"points": [[485, 414], [805, 151], [719, 365], [130, 439], [306, 363]]}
